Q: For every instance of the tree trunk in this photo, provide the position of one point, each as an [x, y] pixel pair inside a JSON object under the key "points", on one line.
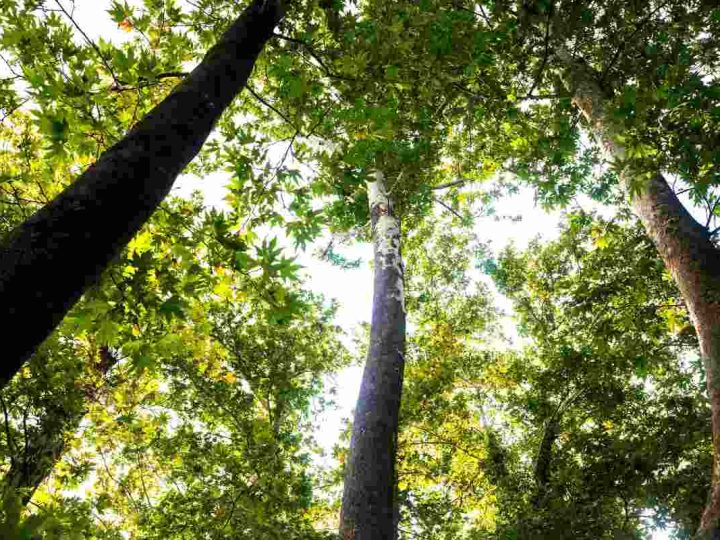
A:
{"points": [[368, 509], [686, 249], [45, 445], [60, 251], [543, 462]]}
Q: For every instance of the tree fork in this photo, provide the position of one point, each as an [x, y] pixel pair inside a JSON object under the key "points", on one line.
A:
{"points": [[685, 247], [60, 251], [368, 506]]}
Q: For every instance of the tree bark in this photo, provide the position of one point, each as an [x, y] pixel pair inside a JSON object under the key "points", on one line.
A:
{"points": [[543, 461], [685, 247], [368, 506], [60, 251], [46, 444]]}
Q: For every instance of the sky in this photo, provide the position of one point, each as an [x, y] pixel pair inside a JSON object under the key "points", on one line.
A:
{"points": [[353, 288]]}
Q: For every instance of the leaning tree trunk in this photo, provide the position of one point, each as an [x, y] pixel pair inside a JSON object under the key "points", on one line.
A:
{"points": [[368, 506], [62, 249], [686, 249], [45, 444]]}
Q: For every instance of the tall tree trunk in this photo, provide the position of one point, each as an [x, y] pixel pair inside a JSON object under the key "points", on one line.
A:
{"points": [[543, 461], [686, 249], [45, 444], [60, 251], [529, 524], [368, 506]]}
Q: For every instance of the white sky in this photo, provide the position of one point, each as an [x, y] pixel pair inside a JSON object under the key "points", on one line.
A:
{"points": [[351, 288]]}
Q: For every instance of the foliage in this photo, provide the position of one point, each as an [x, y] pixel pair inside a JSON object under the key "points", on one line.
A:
{"points": [[593, 428], [591, 424]]}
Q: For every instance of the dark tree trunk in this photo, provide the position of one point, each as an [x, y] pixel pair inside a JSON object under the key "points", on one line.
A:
{"points": [[45, 444], [52, 258], [543, 462], [686, 249], [368, 506]]}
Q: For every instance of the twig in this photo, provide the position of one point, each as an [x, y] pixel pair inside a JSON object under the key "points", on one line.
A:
{"points": [[624, 42], [315, 56], [269, 105], [530, 97], [10, 440], [90, 42], [448, 208], [11, 110], [544, 60], [711, 211]]}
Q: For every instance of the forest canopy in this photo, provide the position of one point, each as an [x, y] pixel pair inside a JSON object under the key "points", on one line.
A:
{"points": [[359, 269]]}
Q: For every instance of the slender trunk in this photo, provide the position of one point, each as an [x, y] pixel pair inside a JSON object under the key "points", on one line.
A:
{"points": [[368, 509], [529, 522], [543, 462], [45, 444], [60, 251], [686, 249]]}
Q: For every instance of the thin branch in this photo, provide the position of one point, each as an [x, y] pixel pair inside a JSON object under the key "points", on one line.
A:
{"points": [[10, 67], [270, 106], [711, 211], [481, 13], [531, 97], [624, 42], [454, 183], [90, 42], [145, 82], [538, 76], [166, 75], [122, 486], [11, 110], [448, 208], [10, 440], [315, 56]]}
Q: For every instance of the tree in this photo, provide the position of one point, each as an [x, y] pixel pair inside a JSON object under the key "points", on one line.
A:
{"points": [[578, 433], [381, 114], [368, 501], [200, 424], [378, 150], [385, 130], [45, 444], [620, 423], [84, 227], [644, 80]]}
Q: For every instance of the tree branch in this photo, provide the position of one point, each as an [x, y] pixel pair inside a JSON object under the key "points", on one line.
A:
{"points": [[90, 42], [315, 56], [538, 76], [270, 106], [448, 208], [10, 440], [454, 183]]}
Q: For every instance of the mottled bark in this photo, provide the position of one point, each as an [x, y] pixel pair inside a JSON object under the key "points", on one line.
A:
{"points": [[685, 247], [368, 507], [52, 258], [46, 443]]}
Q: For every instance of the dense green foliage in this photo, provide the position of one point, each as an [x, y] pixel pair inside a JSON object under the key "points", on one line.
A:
{"points": [[582, 414]]}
